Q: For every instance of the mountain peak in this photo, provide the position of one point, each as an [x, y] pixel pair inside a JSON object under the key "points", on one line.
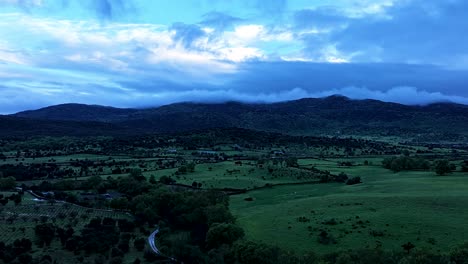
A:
{"points": [[337, 97]]}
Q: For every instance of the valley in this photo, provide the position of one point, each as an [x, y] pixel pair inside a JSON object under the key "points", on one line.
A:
{"points": [[302, 194]]}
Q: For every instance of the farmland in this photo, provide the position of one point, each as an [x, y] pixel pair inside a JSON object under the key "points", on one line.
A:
{"points": [[289, 194], [387, 210]]}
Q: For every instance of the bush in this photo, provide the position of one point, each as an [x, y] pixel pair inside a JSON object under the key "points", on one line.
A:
{"points": [[166, 180], [220, 234], [331, 221], [459, 255], [342, 177], [442, 167], [140, 244], [403, 163], [354, 180], [325, 238]]}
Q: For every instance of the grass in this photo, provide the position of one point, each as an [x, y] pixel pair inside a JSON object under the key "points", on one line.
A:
{"points": [[217, 175], [420, 207], [387, 210]]}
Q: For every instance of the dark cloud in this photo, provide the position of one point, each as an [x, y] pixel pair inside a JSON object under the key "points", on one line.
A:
{"points": [[410, 31], [254, 82], [280, 81], [263, 77]]}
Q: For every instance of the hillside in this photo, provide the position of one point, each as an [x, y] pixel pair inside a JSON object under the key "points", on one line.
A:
{"points": [[78, 112], [335, 115], [13, 127]]}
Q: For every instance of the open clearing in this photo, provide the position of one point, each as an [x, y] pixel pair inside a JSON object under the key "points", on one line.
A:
{"points": [[388, 209]]}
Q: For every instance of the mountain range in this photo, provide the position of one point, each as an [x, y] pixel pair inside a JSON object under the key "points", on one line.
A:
{"points": [[332, 116]]}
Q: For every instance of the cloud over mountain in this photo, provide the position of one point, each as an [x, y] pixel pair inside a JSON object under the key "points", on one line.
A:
{"points": [[140, 52]]}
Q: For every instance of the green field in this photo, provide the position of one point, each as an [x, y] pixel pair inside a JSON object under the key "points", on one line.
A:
{"points": [[228, 175], [387, 210]]}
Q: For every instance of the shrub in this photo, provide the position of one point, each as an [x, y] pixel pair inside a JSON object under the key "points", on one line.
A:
{"points": [[331, 221], [442, 167], [354, 180], [325, 238]]}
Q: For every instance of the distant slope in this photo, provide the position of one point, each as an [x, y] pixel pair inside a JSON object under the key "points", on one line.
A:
{"points": [[78, 112], [335, 115], [11, 127]]}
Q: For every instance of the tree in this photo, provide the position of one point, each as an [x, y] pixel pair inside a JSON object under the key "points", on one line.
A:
{"points": [[223, 233], [16, 199], [166, 180], [22, 245], [326, 238], [124, 245], [218, 214], [152, 179], [131, 186], [464, 166], [137, 175], [25, 258], [408, 247], [7, 183], [342, 177], [3, 201], [139, 244], [248, 252], [116, 260], [97, 237], [191, 167], [291, 162], [64, 235], [182, 169], [92, 182], [120, 203], [442, 167], [460, 254], [45, 233], [354, 180]]}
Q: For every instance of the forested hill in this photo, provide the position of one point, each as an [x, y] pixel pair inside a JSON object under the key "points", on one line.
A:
{"points": [[335, 115]]}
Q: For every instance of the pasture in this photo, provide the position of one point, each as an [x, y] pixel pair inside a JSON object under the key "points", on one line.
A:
{"points": [[229, 175], [387, 210]]}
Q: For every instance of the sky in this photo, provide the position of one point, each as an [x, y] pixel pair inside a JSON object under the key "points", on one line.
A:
{"points": [[145, 53]]}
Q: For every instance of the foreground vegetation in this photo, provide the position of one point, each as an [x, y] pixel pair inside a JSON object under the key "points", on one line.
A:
{"points": [[231, 196]]}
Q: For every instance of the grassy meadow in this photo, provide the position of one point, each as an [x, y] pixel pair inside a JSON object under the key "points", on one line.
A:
{"points": [[314, 212], [387, 210]]}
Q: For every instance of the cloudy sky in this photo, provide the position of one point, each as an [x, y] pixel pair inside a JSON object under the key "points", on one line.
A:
{"points": [[140, 53]]}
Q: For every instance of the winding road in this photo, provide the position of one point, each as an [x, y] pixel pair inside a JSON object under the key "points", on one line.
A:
{"points": [[152, 243]]}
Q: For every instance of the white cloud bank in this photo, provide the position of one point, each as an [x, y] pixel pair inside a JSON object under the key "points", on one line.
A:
{"points": [[14, 102]]}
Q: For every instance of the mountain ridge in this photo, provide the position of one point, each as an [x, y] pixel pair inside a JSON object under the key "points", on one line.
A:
{"points": [[334, 115]]}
